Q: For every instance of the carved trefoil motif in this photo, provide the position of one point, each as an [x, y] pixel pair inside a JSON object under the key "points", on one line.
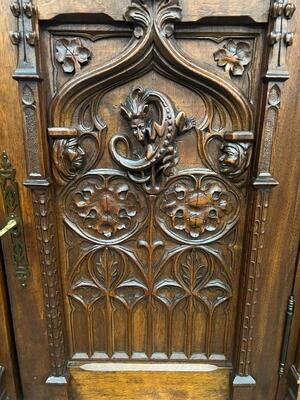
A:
{"points": [[71, 54]]}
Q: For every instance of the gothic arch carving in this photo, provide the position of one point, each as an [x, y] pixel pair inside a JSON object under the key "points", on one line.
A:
{"points": [[152, 46]]}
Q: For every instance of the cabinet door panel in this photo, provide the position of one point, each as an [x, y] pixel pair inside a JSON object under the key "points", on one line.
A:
{"points": [[149, 151]]}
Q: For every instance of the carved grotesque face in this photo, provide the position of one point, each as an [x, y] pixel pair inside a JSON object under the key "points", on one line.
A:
{"points": [[229, 158], [74, 154], [138, 127]]}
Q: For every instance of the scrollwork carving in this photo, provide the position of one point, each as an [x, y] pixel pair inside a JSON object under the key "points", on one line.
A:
{"points": [[162, 13], [153, 151]]}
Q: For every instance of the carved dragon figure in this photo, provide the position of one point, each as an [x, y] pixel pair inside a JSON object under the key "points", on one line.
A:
{"points": [[155, 129]]}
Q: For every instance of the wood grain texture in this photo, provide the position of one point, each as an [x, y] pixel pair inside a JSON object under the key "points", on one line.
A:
{"points": [[152, 193], [257, 10], [9, 379], [27, 306], [148, 385]]}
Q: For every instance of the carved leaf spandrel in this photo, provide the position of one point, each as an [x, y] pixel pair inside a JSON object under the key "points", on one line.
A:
{"points": [[234, 57], [85, 291], [131, 291], [71, 54], [214, 293], [169, 292]]}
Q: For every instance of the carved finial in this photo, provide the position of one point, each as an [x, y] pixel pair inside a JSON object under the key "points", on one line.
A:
{"points": [[163, 13]]}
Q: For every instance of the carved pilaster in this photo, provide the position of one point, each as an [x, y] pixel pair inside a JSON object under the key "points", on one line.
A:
{"points": [[25, 37], [276, 72], [45, 229]]}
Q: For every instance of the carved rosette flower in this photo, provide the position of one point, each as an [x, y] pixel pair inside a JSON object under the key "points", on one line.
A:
{"points": [[105, 209], [234, 57], [197, 210], [71, 54]]}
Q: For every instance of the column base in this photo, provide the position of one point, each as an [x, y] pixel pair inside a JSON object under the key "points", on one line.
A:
{"points": [[242, 387]]}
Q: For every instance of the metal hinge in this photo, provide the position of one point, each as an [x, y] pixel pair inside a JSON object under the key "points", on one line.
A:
{"points": [[286, 336]]}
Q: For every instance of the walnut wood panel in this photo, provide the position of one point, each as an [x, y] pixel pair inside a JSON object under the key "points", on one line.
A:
{"points": [[150, 229], [9, 379], [257, 10], [147, 385], [29, 320], [151, 196]]}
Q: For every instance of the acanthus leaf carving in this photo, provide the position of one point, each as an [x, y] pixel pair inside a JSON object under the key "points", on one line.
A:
{"points": [[45, 227], [162, 14]]}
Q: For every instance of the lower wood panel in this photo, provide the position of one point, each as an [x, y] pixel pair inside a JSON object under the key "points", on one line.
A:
{"points": [[87, 385]]}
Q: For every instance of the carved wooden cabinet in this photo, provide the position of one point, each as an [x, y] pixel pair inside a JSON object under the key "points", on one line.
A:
{"points": [[153, 251]]}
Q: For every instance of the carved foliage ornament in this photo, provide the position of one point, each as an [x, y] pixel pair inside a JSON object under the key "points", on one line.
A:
{"points": [[197, 209], [234, 57], [161, 13], [104, 208], [151, 149], [71, 54]]}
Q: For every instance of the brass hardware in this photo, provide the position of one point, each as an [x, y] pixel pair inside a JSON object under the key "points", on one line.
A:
{"points": [[12, 223], [10, 195]]}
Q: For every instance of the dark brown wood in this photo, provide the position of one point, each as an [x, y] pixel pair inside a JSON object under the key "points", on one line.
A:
{"points": [[153, 156], [9, 374]]}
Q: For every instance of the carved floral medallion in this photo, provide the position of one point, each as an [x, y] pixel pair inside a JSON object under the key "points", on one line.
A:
{"points": [[197, 208], [234, 57], [104, 208]]}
